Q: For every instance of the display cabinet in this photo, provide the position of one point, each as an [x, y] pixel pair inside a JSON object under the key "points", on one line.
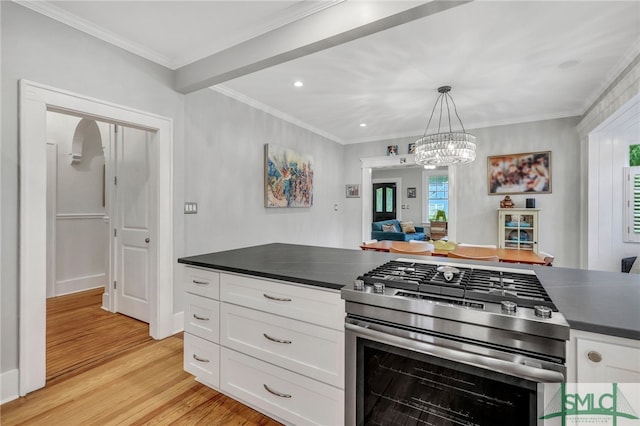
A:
{"points": [[518, 229]]}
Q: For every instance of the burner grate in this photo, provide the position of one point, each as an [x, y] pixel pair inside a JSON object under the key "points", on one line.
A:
{"points": [[472, 284]]}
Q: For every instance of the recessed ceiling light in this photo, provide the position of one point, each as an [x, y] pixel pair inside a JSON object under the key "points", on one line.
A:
{"points": [[298, 83], [363, 124]]}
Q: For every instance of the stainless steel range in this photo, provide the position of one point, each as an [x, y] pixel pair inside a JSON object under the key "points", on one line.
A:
{"points": [[442, 343]]}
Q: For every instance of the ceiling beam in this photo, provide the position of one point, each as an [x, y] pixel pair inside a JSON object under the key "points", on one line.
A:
{"points": [[336, 25]]}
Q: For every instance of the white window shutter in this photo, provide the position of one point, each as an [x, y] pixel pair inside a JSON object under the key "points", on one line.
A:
{"points": [[632, 204]]}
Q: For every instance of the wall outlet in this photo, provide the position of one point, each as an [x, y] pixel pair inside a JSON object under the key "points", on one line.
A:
{"points": [[190, 207]]}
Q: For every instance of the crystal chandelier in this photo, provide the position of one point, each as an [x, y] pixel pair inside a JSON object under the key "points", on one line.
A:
{"points": [[445, 148]]}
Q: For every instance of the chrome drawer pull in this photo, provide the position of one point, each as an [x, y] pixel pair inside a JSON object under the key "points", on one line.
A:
{"points": [[281, 395], [200, 282], [273, 339], [200, 318], [279, 299], [200, 359]]}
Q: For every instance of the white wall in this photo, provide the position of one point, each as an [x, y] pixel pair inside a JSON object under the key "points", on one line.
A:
{"points": [[224, 165], [477, 211], [43, 50], [593, 130], [81, 232], [608, 155]]}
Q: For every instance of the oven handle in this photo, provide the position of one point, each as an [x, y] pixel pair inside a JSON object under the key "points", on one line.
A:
{"points": [[511, 368]]}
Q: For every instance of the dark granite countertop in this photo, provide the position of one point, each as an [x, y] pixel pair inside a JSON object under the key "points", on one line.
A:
{"points": [[595, 301], [318, 266]]}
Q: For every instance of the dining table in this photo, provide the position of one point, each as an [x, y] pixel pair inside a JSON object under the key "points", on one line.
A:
{"points": [[504, 255]]}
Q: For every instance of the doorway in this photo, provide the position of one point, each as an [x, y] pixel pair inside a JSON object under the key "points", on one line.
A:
{"points": [[101, 202], [35, 101], [374, 163]]}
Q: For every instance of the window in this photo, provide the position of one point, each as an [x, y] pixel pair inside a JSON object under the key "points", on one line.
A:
{"points": [[632, 204], [437, 197]]}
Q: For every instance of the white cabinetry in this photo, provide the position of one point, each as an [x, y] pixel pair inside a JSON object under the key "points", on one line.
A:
{"points": [[598, 358], [202, 325], [518, 229], [280, 345]]}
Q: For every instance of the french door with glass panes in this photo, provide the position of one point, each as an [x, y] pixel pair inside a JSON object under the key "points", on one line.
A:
{"points": [[384, 201]]}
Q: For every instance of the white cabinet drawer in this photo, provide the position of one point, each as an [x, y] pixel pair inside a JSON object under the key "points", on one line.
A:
{"points": [[202, 359], [202, 317], [280, 393], [313, 351], [201, 281], [317, 306]]}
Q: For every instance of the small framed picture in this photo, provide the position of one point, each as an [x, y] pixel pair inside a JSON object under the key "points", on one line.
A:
{"points": [[353, 190], [411, 193], [392, 150], [412, 148]]}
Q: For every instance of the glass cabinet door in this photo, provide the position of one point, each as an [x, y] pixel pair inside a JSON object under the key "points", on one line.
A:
{"points": [[518, 230]]}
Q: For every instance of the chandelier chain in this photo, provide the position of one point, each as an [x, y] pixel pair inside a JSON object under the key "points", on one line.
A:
{"points": [[431, 116], [456, 111]]}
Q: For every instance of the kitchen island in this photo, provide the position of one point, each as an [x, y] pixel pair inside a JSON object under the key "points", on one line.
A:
{"points": [[593, 301], [265, 324]]}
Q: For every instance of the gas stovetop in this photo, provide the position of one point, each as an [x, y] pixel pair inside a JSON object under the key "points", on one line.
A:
{"points": [[464, 281], [502, 305]]}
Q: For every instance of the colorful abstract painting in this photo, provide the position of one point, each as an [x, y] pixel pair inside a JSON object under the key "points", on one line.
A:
{"points": [[288, 178]]}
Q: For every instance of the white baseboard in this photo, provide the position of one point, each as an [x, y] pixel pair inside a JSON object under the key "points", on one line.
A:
{"points": [[75, 285], [178, 322], [9, 386], [105, 301]]}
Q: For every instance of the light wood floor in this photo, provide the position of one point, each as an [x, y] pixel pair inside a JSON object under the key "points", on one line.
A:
{"points": [[103, 369]]}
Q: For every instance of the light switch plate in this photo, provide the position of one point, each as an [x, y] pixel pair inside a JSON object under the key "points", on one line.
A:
{"points": [[190, 207]]}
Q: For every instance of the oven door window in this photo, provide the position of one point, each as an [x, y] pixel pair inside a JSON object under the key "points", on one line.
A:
{"points": [[400, 387]]}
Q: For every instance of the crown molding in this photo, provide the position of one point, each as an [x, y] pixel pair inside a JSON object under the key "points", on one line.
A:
{"points": [[48, 9], [417, 133], [289, 15], [273, 111]]}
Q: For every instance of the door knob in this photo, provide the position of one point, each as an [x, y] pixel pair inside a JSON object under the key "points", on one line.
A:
{"points": [[146, 240]]}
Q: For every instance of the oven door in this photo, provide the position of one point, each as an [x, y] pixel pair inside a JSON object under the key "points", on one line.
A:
{"points": [[403, 377]]}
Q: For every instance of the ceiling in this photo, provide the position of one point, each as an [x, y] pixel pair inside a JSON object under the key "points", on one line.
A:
{"points": [[508, 62]]}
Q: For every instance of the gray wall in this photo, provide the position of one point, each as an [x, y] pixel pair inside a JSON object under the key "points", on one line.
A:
{"points": [[559, 210], [45, 51], [224, 174]]}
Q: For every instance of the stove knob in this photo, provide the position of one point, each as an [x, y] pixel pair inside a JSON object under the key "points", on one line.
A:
{"points": [[378, 288], [358, 285], [509, 307], [542, 311]]}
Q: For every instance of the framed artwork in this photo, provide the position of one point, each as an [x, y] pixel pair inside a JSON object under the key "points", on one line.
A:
{"points": [[392, 150], [411, 193], [353, 190], [519, 173], [288, 178], [412, 148]]}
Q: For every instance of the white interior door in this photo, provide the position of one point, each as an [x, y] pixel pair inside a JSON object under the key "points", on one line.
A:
{"points": [[136, 221]]}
